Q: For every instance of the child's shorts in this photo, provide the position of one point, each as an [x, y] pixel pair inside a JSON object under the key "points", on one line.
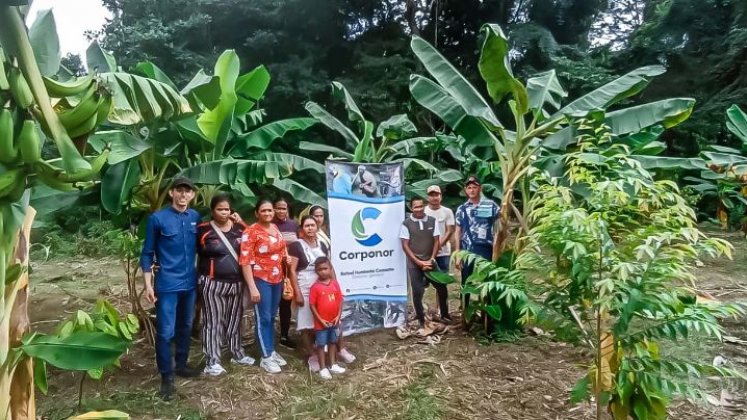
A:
{"points": [[326, 336]]}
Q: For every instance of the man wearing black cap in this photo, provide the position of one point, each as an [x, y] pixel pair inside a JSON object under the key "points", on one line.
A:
{"points": [[171, 241], [475, 226]]}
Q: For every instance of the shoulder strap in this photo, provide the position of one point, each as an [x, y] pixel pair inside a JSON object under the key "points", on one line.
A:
{"points": [[225, 241]]}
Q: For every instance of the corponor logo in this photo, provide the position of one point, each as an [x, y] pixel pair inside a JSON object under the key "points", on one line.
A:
{"points": [[359, 231]]}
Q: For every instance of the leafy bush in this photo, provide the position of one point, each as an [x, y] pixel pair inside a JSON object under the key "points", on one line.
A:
{"points": [[620, 246]]}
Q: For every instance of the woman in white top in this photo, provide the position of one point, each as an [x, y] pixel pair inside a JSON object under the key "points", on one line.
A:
{"points": [[303, 253]]}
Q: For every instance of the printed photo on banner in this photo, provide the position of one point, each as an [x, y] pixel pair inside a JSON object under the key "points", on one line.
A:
{"points": [[364, 180], [365, 201]]}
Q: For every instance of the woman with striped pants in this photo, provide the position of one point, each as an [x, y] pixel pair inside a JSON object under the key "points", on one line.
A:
{"points": [[218, 246]]}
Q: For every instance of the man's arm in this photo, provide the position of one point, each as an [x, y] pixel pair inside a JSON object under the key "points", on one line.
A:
{"points": [[410, 254], [147, 257], [446, 236], [404, 236], [436, 247]]}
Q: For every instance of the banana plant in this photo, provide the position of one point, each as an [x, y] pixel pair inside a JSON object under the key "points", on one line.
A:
{"points": [[540, 120], [391, 141], [36, 105], [219, 144], [724, 174]]}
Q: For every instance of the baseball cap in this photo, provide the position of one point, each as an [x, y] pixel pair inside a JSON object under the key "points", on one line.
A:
{"points": [[472, 180], [182, 181], [433, 188]]}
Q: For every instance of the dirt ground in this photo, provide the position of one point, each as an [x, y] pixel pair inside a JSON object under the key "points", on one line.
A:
{"points": [[459, 378]]}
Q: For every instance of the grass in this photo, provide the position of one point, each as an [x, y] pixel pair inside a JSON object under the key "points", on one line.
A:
{"points": [[318, 400], [420, 401], [138, 404]]}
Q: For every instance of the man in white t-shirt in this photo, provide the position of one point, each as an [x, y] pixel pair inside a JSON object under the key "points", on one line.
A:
{"points": [[445, 219]]}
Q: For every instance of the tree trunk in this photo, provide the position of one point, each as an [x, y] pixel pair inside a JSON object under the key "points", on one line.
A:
{"points": [[501, 238], [17, 379]]}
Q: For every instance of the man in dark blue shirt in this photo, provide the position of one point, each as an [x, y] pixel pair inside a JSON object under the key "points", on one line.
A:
{"points": [[171, 242]]}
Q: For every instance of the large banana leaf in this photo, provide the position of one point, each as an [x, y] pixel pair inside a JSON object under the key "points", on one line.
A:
{"points": [[724, 159], [123, 145], [139, 100], [341, 93], [152, 71], [667, 112], [396, 127], [230, 172], [613, 92], [47, 200], [78, 351], [415, 146], [250, 87], [205, 89], [495, 68], [98, 60], [407, 162], [316, 111], [663, 162], [364, 151], [264, 136], [319, 147], [117, 184], [737, 122], [216, 123], [545, 88], [289, 163], [457, 86], [299, 192], [434, 98], [45, 43]]}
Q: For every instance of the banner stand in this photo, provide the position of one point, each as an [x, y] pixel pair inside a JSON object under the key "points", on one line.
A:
{"points": [[366, 208]]}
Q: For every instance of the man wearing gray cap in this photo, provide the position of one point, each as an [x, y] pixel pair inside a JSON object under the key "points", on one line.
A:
{"points": [[445, 220], [171, 242]]}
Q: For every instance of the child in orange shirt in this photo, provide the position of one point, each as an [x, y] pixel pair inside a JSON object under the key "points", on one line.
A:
{"points": [[325, 299]]}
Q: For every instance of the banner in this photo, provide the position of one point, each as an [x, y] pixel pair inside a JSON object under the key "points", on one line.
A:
{"points": [[366, 209]]}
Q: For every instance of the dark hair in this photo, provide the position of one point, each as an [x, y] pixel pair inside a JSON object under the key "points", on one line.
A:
{"points": [[315, 208], [304, 219], [416, 198], [260, 203], [321, 260], [219, 198], [280, 200]]}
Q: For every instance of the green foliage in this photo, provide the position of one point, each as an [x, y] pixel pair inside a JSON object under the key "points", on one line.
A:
{"points": [[65, 240], [621, 245], [503, 293], [103, 319]]}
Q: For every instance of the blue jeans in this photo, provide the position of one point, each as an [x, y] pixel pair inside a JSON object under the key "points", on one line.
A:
{"points": [[443, 263], [174, 313], [326, 336], [264, 314]]}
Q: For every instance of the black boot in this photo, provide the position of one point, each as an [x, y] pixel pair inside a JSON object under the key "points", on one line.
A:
{"points": [[187, 372], [167, 387]]}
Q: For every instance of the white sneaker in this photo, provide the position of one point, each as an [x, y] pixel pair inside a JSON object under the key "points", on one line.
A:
{"points": [[314, 363], [346, 356], [269, 365], [337, 369], [246, 360], [324, 373], [278, 359], [214, 370]]}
